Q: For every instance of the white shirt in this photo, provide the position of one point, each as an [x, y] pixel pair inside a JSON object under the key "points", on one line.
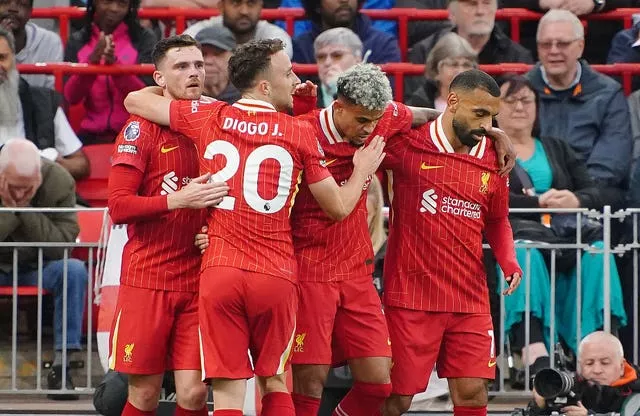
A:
{"points": [[66, 141]]}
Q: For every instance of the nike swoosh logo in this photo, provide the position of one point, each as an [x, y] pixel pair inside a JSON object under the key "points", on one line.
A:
{"points": [[424, 166], [168, 149], [328, 162], [491, 364]]}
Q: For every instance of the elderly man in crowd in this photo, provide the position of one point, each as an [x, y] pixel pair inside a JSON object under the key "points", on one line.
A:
{"points": [[27, 180]]}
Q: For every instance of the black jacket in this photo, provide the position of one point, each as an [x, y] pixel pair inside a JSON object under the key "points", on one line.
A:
{"points": [[425, 96], [568, 173], [39, 107]]}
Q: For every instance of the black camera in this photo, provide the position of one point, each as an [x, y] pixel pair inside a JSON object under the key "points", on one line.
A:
{"points": [[557, 387]]}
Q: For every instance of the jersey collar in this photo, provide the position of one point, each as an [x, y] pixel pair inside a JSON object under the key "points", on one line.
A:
{"points": [[441, 142], [328, 126], [256, 106]]}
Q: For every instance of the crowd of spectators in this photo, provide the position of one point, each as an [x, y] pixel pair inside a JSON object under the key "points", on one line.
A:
{"points": [[575, 131]]}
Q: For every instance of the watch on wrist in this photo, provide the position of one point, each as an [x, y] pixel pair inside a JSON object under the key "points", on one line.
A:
{"points": [[598, 5]]}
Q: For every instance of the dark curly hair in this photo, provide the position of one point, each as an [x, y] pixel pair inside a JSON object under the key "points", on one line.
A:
{"points": [[311, 9], [131, 20]]}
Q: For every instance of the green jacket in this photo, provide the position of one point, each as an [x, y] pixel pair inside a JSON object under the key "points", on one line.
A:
{"points": [[57, 191]]}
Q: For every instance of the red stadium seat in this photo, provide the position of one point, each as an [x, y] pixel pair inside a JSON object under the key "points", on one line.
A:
{"points": [[94, 188], [91, 225], [75, 115], [22, 291]]}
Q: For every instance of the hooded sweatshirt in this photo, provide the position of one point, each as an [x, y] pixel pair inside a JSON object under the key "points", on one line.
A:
{"points": [[42, 46]]}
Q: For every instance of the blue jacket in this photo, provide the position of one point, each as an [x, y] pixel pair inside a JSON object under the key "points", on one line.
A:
{"points": [[389, 26], [621, 50], [384, 47], [593, 119]]}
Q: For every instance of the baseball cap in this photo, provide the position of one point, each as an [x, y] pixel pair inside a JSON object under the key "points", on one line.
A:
{"points": [[217, 35]]}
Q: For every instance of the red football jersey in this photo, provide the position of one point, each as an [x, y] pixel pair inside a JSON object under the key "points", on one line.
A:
{"points": [[327, 250], [441, 204], [261, 154], [160, 253]]}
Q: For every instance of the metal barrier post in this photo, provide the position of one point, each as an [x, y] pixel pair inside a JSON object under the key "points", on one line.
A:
{"points": [[606, 275]]}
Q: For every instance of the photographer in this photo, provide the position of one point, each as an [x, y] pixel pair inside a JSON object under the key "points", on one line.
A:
{"points": [[604, 380]]}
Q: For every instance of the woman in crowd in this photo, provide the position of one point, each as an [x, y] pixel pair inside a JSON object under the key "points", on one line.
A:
{"points": [[450, 56], [549, 175], [111, 35]]}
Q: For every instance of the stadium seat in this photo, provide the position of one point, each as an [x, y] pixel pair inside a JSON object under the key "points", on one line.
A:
{"points": [[75, 115], [91, 224], [22, 291], [94, 188]]}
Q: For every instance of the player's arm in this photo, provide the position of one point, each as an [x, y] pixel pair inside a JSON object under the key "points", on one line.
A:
{"points": [[305, 98], [126, 206], [423, 115], [149, 103], [338, 201], [500, 236], [504, 148]]}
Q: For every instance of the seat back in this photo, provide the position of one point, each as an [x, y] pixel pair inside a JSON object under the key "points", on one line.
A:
{"points": [[94, 188]]}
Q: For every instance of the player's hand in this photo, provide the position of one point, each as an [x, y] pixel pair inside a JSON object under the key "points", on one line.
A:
{"points": [[504, 148], [514, 281], [367, 159], [306, 89], [202, 239], [577, 410], [199, 193]]}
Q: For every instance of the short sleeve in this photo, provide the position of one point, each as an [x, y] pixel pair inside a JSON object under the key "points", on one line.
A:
{"points": [[314, 165], [192, 117], [132, 144], [66, 140], [400, 119]]}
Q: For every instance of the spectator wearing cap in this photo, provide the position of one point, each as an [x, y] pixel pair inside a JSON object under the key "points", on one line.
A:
{"points": [[217, 45], [242, 18]]}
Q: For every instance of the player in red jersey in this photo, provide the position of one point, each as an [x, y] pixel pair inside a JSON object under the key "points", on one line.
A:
{"points": [[339, 314], [154, 174], [446, 193], [248, 295]]}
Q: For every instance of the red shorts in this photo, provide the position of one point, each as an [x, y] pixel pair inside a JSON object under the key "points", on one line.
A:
{"points": [[459, 344], [154, 331], [242, 311], [338, 321]]}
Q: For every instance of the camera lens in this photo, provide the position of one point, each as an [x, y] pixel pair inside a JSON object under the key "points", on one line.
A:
{"points": [[550, 383]]}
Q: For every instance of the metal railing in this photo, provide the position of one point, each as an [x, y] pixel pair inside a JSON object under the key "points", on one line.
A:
{"points": [[94, 249]]}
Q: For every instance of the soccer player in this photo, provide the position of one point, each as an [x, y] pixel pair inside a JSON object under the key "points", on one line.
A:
{"points": [[154, 175], [445, 193], [339, 313], [248, 296]]}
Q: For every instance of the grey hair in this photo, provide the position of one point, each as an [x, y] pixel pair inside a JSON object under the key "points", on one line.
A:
{"points": [[339, 36], [559, 15], [9, 37], [601, 336], [365, 85], [450, 45], [22, 154]]}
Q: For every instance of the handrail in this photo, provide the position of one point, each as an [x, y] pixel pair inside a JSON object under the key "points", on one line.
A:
{"points": [[290, 15], [398, 70]]}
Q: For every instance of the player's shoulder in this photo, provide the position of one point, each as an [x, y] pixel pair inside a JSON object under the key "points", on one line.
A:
{"points": [[310, 117], [396, 109], [138, 128]]}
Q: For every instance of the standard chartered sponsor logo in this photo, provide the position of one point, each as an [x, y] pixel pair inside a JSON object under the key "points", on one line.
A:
{"points": [[449, 205], [169, 183], [460, 207], [428, 202]]}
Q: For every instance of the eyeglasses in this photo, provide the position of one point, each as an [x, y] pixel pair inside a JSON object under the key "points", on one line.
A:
{"points": [[525, 101], [464, 65], [560, 44]]}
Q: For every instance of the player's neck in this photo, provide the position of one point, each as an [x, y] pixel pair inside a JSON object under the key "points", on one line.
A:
{"points": [[251, 95]]}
